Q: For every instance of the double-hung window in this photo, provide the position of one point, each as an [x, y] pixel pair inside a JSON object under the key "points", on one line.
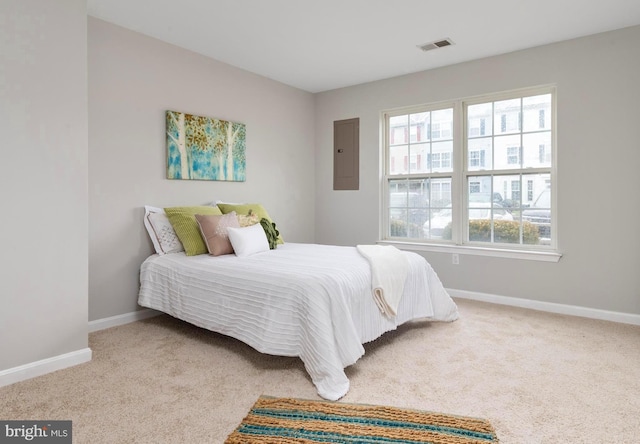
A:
{"points": [[473, 172]]}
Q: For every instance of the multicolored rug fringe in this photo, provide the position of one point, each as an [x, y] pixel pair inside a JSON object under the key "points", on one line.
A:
{"points": [[288, 420]]}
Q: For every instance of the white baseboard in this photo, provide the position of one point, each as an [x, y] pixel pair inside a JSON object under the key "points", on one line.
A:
{"points": [[573, 310], [39, 368], [114, 321], [44, 366]]}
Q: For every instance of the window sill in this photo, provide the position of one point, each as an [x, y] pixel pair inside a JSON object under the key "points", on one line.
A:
{"points": [[543, 256]]}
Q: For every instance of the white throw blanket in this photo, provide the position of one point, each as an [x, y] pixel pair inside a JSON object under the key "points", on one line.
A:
{"points": [[389, 268]]}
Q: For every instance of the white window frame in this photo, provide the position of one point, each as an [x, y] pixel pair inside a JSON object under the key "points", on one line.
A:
{"points": [[459, 176]]}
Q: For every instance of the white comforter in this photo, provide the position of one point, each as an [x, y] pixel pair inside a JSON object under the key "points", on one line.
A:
{"points": [[306, 300]]}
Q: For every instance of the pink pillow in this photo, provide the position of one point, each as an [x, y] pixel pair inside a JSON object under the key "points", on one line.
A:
{"points": [[214, 232]]}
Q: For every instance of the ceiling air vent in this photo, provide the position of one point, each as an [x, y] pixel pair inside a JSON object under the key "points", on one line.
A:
{"points": [[435, 45]]}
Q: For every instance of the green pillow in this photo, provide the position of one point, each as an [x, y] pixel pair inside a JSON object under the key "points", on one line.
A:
{"points": [[245, 209], [271, 231], [183, 221]]}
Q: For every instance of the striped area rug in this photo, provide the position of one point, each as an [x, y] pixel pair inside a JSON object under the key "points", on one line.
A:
{"points": [[287, 420]]}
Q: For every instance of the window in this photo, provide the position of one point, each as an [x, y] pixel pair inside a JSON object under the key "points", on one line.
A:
{"points": [[488, 174], [418, 190], [544, 156], [515, 191], [513, 155], [446, 160], [439, 160], [478, 127], [476, 158]]}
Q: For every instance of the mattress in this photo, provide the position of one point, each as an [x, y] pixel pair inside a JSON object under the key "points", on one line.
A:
{"points": [[306, 300]]}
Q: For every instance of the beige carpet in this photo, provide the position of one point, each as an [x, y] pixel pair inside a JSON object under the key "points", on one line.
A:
{"points": [[537, 377]]}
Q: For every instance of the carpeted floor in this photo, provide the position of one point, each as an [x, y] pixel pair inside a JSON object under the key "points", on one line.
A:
{"points": [[537, 377]]}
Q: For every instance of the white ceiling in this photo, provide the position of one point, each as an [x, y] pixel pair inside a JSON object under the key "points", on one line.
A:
{"points": [[326, 44]]}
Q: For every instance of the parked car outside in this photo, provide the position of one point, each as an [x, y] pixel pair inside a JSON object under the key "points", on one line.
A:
{"points": [[434, 228], [539, 214]]}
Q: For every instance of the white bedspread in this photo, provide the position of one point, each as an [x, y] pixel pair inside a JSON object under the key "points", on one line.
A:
{"points": [[306, 300]]}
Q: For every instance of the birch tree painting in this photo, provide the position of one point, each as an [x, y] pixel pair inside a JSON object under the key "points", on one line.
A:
{"points": [[203, 148]]}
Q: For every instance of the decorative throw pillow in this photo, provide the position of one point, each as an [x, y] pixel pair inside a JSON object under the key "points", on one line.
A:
{"points": [[160, 231], [271, 231], [183, 221], [247, 219], [248, 240], [244, 209], [214, 232]]}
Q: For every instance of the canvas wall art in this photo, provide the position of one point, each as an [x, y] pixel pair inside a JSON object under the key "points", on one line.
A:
{"points": [[204, 148]]}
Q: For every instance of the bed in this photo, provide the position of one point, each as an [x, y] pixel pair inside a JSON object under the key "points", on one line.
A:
{"points": [[306, 300]]}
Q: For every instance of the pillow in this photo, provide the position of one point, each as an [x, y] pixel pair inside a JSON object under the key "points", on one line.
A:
{"points": [[183, 221], [214, 232], [248, 240], [248, 219], [162, 234], [244, 210], [271, 231]]}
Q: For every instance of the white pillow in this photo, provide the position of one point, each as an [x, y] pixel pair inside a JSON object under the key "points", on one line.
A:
{"points": [[162, 234], [248, 240]]}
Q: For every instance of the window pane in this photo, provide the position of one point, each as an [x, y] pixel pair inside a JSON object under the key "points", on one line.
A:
{"points": [[442, 124], [408, 207], [398, 190], [536, 150], [507, 117], [440, 193], [441, 155], [507, 152], [398, 130], [417, 207], [536, 113], [480, 120], [397, 222], [490, 219], [438, 227], [507, 193], [537, 212], [479, 188], [398, 197], [419, 130], [479, 154], [419, 158], [399, 159]]}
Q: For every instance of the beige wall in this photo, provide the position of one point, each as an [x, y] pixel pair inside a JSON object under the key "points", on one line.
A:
{"points": [[598, 159], [43, 122], [133, 79]]}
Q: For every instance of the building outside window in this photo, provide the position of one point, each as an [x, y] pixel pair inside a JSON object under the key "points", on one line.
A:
{"points": [[481, 153], [513, 155]]}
